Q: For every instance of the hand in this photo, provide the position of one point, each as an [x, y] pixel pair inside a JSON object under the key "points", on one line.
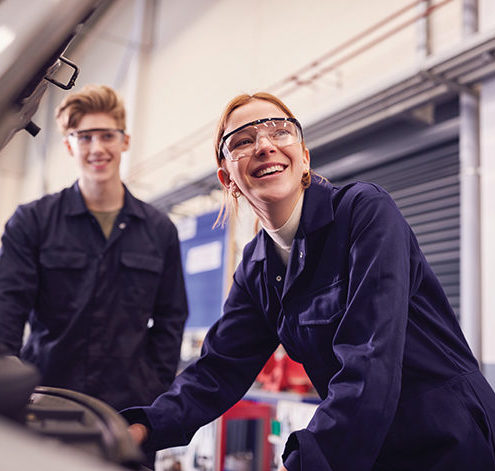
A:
{"points": [[282, 468], [138, 432]]}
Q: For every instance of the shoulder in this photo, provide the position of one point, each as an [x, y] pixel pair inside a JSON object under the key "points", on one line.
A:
{"points": [[368, 207], [30, 219], [361, 190], [41, 206], [321, 192], [361, 194]]}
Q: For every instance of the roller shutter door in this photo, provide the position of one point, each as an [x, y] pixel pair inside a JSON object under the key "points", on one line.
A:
{"points": [[425, 186]]}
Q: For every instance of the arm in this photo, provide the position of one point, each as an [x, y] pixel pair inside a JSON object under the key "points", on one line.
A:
{"points": [[350, 425], [234, 351], [18, 280], [170, 312]]}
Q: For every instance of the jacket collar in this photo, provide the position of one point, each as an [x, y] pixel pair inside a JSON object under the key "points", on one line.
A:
{"points": [[317, 212], [76, 205]]}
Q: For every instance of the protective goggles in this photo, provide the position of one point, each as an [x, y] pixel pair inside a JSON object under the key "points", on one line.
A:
{"points": [[107, 137], [242, 142]]}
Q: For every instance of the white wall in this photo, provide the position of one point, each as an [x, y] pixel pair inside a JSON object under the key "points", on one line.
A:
{"points": [[486, 14], [178, 62]]}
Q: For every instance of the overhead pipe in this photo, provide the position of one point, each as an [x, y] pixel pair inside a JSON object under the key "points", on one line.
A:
{"points": [[346, 58], [346, 44], [436, 78], [187, 143]]}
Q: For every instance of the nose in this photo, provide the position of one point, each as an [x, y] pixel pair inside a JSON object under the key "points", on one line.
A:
{"points": [[96, 145], [263, 145]]}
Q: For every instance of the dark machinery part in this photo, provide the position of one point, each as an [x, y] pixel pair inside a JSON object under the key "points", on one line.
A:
{"points": [[83, 422], [17, 382], [35, 58], [69, 418]]}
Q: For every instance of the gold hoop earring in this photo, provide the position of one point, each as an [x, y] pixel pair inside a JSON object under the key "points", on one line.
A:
{"points": [[234, 191], [306, 178]]}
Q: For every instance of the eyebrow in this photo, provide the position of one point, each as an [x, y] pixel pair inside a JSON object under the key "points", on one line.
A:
{"points": [[77, 131]]}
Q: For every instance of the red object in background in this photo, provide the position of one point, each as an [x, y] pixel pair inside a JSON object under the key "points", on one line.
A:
{"points": [[281, 373], [248, 410]]}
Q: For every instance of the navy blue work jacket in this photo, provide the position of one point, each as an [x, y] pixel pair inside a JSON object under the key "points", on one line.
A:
{"points": [[89, 299], [361, 309]]}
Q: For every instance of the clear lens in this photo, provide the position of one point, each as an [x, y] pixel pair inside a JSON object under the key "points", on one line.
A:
{"points": [[107, 137], [243, 142]]}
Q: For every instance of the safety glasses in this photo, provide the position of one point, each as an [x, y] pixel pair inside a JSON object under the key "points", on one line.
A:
{"points": [[243, 141], [85, 137]]}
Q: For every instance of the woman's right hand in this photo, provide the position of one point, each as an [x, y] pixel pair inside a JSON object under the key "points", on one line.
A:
{"points": [[138, 432]]}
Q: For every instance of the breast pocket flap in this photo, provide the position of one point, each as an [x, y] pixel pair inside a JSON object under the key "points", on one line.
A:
{"points": [[55, 259], [323, 306], [142, 261]]}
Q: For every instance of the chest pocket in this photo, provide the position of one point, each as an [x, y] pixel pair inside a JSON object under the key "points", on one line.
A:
{"points": [[62, 278], [141, 274], [322, 307], [314, 318], [311, 324]]}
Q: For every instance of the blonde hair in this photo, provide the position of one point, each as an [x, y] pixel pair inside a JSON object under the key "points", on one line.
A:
{"points": [[90, 99], [230, 204]]}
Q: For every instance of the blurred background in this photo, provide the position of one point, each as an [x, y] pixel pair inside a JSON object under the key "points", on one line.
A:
{"points": [[398, 92]]}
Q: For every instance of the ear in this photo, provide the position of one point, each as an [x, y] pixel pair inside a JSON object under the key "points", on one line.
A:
{"points": [[306, 158], [126, 143], [224, 177], [68, 147]]}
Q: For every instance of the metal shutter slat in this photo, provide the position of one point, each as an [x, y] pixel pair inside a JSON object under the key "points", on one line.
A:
{"points": [[426, 189]]}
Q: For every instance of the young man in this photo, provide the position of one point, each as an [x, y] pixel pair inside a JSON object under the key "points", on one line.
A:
{"points": [[95, 271]]}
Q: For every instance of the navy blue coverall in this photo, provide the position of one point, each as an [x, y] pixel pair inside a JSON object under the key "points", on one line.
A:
{"points": [[361, 309], [89, 299]]}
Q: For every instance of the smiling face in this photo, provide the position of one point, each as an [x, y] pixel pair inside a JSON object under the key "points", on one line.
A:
{"points": [[99, 160], [270, 179]]}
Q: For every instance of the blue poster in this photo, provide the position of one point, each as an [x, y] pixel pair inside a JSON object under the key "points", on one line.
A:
{"points": [[203, 258]]}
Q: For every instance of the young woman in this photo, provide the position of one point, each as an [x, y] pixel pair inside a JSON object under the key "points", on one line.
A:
{"points": [[337, 276]]}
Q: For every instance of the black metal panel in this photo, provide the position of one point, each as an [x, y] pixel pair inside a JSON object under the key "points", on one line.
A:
{"points": [[425, 186]]}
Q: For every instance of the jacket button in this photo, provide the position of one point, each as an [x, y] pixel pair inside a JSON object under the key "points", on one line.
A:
{"points": [[301, 255], [122, 225], [278, 278]]}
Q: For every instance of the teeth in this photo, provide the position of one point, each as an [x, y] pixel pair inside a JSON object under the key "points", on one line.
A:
{"points": [[272, 169]]}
